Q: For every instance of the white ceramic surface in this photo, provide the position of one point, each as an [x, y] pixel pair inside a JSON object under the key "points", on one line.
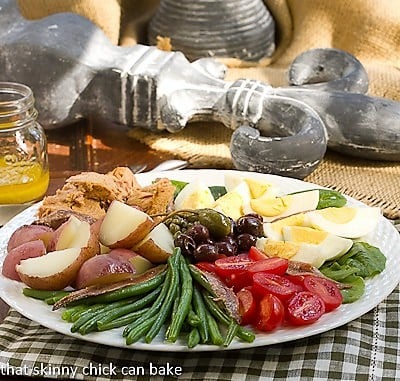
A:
{"points": [[377, 289]]}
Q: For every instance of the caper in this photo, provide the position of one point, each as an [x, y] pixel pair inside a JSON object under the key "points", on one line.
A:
{"points": [[173, 228]]}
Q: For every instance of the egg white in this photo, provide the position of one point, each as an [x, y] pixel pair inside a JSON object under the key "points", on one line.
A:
{"points": [[195, 195], [273, 208], [361, 223]]}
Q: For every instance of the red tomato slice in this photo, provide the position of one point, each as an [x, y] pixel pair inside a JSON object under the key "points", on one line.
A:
{"points": [[256, 254], [283, 288], [247, 305], [271, 313], [305, 308], [325, 289], [273, 265], [206, 266], [232, 265], [238, 280], [297, 279]]}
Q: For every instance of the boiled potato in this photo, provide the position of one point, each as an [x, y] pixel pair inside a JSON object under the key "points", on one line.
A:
{"points": [[124, 226], [27, 233], [118, 265], [158, 245], [59, 269], [26, 250]]}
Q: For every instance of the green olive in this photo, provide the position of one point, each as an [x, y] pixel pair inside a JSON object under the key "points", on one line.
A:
{"points": [[218, 224]]}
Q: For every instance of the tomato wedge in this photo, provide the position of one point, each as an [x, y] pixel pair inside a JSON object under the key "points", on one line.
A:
{"points": [[283, 288], [271, 313], [206, 266], [256, 254], [238, 280], [232, 265], [247, 305], [325, 289], [305, 308], [273, 265]]}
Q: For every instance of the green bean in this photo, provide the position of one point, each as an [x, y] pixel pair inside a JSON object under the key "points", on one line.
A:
{"points": [[86, 316], [184, 302], [192, 319], [213, 329], [124, 310], [200, 310], [136, 333], [193, 338], [231, 333], [165, 309], [42, 294], [54, 299], [69, 312], [123, 320], [128, 291], [153, 309], [88, 322], [221, 316]]}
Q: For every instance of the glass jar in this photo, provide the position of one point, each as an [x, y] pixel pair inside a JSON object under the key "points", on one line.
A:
{"points": [[24, 171]]}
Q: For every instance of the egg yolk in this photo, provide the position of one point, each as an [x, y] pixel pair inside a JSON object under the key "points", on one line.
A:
{"points": [[257, 188], [338, 215], [230, 204], [197, 200], [305, 235], [280, 249], [270, 207]]}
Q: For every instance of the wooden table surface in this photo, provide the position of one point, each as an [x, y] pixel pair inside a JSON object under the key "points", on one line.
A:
{"points": [[93, 145]]}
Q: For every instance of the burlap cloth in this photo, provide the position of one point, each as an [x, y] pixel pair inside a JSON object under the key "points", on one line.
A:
{"points": [[368, 29]]}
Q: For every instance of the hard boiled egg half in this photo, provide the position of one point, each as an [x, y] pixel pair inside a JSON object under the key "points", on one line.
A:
{"points": [[231, 203], [272, 208], [349, 222], [195, 195], [306, 245]]}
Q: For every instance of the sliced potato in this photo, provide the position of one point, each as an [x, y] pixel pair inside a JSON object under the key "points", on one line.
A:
{"points": [[66, 234], [124, 226], [27, 250], [27, 233], [158, 245], [58, 269]]}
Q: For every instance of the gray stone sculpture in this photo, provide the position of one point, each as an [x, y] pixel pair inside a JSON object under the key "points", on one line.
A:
{"points": [[241, 29], [75, 72]]}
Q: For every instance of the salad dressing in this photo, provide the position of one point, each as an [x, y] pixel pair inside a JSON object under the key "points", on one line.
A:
{"points": [[24, 173], [22, 181]]}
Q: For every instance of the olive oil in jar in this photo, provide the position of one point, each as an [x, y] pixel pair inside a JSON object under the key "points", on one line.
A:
{"points": [[24, 172], [22, 181]]}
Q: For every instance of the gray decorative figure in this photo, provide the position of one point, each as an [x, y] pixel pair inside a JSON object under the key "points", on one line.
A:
{"points": [[242, 29], [74, 71]]}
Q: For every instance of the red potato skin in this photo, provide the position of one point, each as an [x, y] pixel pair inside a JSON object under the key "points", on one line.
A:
{"points": [[103, 269], [27, 233], [66, 277], [26, 250], [152, 252]]}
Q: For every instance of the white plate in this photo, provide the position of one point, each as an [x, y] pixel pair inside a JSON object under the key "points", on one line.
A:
{"points": [[385, 237]]}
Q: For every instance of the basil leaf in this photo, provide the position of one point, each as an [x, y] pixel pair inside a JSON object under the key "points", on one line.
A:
{"points": [[330, 198], [368, 259], [356, 291], [336, 271], [217, 191], [179, 185]]}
